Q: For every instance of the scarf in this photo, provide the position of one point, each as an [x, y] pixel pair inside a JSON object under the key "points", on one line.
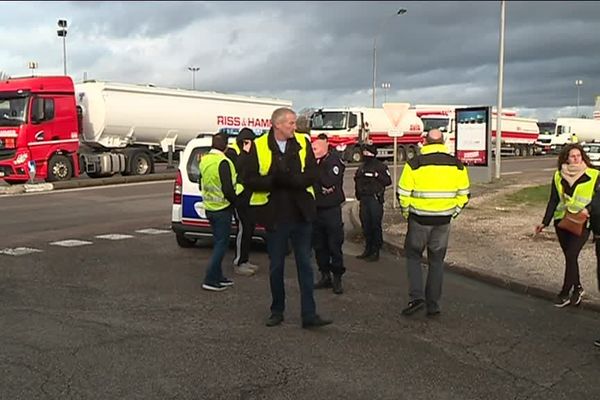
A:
{"points": [[572, 172]]}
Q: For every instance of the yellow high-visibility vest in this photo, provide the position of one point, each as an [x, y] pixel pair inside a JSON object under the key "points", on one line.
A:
{"points": [[265, 157], [582, 196], [212, 192]]}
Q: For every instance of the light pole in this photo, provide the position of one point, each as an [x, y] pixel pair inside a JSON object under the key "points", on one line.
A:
{"points": [[194, 70], [500, 88], [386, 19], [578, 83], [385, 86], [32, 65], [62, 32]]}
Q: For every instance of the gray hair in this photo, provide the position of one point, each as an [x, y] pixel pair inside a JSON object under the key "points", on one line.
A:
{"points": [[280, 113]]}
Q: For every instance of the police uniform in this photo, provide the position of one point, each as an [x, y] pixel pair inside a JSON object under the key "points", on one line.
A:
{"points": [[371, 179], [328, 228], [433, 189]]}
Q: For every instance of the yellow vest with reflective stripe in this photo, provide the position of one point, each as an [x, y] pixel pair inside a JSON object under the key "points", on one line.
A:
{"points": [[582, 196], [212, 192], [265, 157], [433, 190], [234, 146]]}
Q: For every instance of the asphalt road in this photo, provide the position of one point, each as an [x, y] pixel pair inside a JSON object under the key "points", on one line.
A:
{"points": [[127, 318]]}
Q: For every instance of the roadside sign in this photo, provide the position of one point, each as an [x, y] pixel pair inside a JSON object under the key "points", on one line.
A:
{"points": [[395, 113]]}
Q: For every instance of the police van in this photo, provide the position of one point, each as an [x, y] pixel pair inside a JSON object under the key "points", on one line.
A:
{"points": [[188, 219]]}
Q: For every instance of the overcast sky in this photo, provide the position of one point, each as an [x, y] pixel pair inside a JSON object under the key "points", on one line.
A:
{"points": [[321, 53]]}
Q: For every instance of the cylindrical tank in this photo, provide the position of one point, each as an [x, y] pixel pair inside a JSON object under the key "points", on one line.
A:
{"points": [[118, 115]]}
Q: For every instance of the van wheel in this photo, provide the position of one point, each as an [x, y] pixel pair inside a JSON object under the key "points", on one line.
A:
{"points": [[59, 168], [140, 163], [184, 242]]}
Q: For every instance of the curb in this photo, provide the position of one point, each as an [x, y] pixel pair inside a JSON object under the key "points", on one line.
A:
{"points": [[506, 283], [79, 183]]}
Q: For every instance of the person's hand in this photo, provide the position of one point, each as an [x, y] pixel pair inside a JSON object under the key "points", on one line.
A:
{"points": [[247, 146], [539, 228], [585, 212]]}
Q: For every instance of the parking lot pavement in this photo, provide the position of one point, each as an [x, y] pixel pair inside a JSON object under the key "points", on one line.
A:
{"points": [[127, 318]]}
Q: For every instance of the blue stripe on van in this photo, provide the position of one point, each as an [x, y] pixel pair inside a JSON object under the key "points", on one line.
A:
{"points": [[187, 206]]}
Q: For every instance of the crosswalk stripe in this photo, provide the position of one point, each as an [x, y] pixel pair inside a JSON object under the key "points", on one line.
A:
{"points": [[152, 231], [70, 243], [114, 236], [19, 251]]}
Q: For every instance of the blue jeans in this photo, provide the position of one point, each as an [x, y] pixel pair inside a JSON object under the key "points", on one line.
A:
{"points": [[277, 241], [220, 223]]}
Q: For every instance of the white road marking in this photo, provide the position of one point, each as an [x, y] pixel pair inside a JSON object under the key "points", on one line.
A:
{"points": [[548, 169], [19, 251], [114, 236], [70, 243], [152, 231], [512, 173]]}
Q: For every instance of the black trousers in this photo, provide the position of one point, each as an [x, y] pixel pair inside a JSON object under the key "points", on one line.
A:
{"points": [[328, 238], [571, 246], [243, 239], [371, 214], [597, 243]]}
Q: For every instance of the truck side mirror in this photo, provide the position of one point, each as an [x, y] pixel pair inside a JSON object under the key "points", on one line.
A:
{"points": [[37, 110]]}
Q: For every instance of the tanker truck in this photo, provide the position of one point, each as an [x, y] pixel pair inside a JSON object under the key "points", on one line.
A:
{"points": [[586, 130], [61, 130]]}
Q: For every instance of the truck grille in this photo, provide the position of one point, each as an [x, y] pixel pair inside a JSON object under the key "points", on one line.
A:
{"points": [[5, 170], [6, 154]]}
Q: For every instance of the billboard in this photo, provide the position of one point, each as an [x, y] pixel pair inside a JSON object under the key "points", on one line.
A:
{"points": [[472, 135]]}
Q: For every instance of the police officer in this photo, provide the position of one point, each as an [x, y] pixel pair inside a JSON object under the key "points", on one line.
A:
{"points": [[243, 215], [328, 228], [218, 179], [371, 179]]}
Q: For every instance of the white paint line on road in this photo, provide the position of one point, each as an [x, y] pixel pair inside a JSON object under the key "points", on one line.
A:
{"points": [[548, 169], [152, 231], [114, 236], [19, 251], [512, 173], [70, 243]]}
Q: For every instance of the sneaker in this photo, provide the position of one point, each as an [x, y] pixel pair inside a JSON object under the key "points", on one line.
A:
{"points": [[253, 267], [562, 300], [315, 322], [226, 282], [214, 287], [577, 295], [413, 307], [243, 270], [597, 343], [274, 320]]}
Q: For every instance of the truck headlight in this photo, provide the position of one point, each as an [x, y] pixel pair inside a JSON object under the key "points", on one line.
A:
{"points": [[21, 158]]}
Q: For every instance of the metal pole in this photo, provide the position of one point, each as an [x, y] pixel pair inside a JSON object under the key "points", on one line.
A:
{"points": [[395, 174], [374, 68], [500, 87], [193, 80], [65, 54], [577, 112]]}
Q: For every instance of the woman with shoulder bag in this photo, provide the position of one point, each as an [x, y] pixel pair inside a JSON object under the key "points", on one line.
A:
{"points": [[571, 193]]}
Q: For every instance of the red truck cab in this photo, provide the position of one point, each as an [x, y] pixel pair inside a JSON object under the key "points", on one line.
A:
{"points": [[39, 123]]}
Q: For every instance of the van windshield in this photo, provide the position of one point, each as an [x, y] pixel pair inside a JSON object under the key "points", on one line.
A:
{"points": [[13, 110]]}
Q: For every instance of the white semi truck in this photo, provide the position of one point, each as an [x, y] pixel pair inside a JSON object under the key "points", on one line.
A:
{"points": [[586, 130]]}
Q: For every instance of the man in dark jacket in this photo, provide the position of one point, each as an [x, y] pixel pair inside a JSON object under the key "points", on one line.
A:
{"points": [[371, 179], [243, 216], [328, 229], [280, 169]]}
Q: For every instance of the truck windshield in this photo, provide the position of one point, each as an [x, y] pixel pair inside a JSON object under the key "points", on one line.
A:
{"points": [[435, 123], [329, 120], [12, 110]]}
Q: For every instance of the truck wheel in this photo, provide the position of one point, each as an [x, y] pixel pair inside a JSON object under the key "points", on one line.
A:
{"points": [[530, 151], [184, 242], [518, 151], [411, 152], [401, 154], [59, 168], [140, 163], [356, 155]]}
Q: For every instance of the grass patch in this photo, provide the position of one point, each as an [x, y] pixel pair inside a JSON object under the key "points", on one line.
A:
{"points": [[535, 195]]}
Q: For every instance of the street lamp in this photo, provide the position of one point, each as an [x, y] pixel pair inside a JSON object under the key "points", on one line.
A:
{"points": [[578, 83], [62, 32], [386, 19], [32, 65], [194, 70], [385, 86], [500, 88]]}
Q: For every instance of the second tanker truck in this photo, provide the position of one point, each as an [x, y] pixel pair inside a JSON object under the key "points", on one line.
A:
{"points": [[62, 130]]}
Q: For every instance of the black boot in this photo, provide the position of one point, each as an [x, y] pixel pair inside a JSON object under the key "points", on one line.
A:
{"points": [[374, 256], [325, 281], [364, 254], [337, 284]]}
